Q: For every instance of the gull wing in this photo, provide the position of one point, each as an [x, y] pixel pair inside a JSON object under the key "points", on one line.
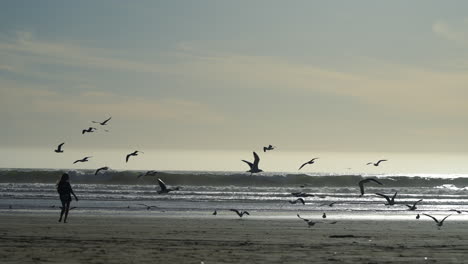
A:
{"points": [[393, 197], [60, 146], [303, 165], [105, 121], [128, 156], [417, 202], [378, 162], [435, 219], [444, 219], [384, 196], [162, 185], [256, 159], [248, 163], [374, 180], [235, 211]]}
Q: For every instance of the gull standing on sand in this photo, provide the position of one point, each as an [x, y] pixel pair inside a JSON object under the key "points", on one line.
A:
{"points": [[253, 166], [390, 201], [89, 130], [361, 184], [85, 159], [298, 200], [134, 153], [239, 213], [438, 223], [59, 148], [270, 147], [103, 123], [312, 161], [164, 188], [375, 164], [101, 169], [413, 207]]}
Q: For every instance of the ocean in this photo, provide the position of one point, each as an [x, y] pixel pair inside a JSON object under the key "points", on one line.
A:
{"points": [[264, 195]]}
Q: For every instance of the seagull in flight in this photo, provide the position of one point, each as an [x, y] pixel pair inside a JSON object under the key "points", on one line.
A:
{"points": [[302, 194], [438, 223], [103, 123], [361, 184], [148, 207], [312, 161], [253, 166], [390, 201], [59, 148], [85, 159], [413, 207], [458, 211], [298, 200], [89, 130], [270, 147], [148, 173], [375, 164], [134, 153], [330, 204], [164, 188], [239, 213], [308, 221], [100, 169]]}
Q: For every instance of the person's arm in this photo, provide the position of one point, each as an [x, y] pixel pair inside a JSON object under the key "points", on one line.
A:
{"points": [[71, 190]]}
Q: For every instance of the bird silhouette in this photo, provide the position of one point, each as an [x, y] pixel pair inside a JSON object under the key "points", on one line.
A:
{"points": [[298, 200], [59, 148], [312, 161], [390, 201], [239, 213], [413, 207], [270, 147], [85, 159], [329, 204], [148, 173], [103, 123], [438, 223], [134, 153], [148, 207], [254, 166], [375, 164], [89, 130], [361, 184], [101, 169], [308, 221], [164, 188], [302, 194]]}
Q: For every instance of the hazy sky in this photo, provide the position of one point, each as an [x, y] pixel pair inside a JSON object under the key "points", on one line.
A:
{"points": [[235, 75]]}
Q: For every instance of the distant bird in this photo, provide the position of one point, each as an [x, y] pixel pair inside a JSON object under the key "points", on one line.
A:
{"points": [[164, 188], [270, 147], [239, 213], [417, 216], [302, 194], [413, 207], [324, 215], [375, 164], [215, 212], [148, 173], [89, 130], [148, 207], [103, 123], [100, 169], [134, 153], [85, 159], [438, 223], [329, 204], [254, 166], [298, 200], [458, 211], [59, 148], [361, 184], [308, 221], [312, 161], [390, 201]]}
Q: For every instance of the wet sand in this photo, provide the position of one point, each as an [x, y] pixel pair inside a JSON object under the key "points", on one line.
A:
{"points": [[103, 239]]}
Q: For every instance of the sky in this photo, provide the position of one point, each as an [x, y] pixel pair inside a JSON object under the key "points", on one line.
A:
{"points": [[233, 76]]}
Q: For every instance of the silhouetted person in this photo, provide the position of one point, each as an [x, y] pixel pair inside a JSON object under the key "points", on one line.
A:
{"points": [[65, 191]]}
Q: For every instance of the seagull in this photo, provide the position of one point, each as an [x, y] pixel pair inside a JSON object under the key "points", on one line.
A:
{"points": [[308, 221], [375, 164], [134, 153], [100, 169], [438, 223], [59, 148], [270, 147], [215, 212], [148, 173], [324, 215], [417, 216], [330, 204], [164, 189], [361, 184], [413, 207], [389, 201], [148, 207], [103, 123], [312, 161], [241, 213], [458, 211], [253, 166], [85, 159], [298, 200], [89, 130], [302, 194]]}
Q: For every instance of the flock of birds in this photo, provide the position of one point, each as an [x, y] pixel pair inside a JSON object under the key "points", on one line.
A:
{"points": [[254, 168]]}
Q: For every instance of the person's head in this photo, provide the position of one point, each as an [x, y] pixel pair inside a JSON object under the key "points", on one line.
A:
{"points": [[64, 177]]}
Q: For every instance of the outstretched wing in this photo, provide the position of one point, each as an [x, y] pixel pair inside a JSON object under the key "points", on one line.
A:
{"points": [[393, 197], [361, 186], [435, 219], [374, 180], [384, 196], [235, 211], [303, 165], [128, 156], [444, 219], [256, 159], [162, 185], [60, 146], [378, 162], [248, 163], [417, 202], [105, 121], [245, 212]]}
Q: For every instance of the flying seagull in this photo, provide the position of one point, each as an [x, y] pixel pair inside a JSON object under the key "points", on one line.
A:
{"points": [[85, 159], [100, 169], [148, 207], [413, 207], [164, 188], [308, 221], [148, 173], [134, 153], [89, 130], [458, 211], [361, 184], [270, 147], [438, 223], [312, 161], [375, 164], [298, 200], [390, 201], [253, 166], [330, 204], [59, 148], [103, 123], [302, 194], [239, 213]]}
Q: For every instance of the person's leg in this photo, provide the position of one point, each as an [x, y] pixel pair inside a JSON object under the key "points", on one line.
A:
{"points": [[63, 210], [67, 208]]}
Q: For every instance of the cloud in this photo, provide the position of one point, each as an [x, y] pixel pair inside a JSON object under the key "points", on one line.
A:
{"points": [[455, 31]]}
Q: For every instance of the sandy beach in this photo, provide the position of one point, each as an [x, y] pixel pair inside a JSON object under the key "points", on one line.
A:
{"points": [[101, 239]]}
